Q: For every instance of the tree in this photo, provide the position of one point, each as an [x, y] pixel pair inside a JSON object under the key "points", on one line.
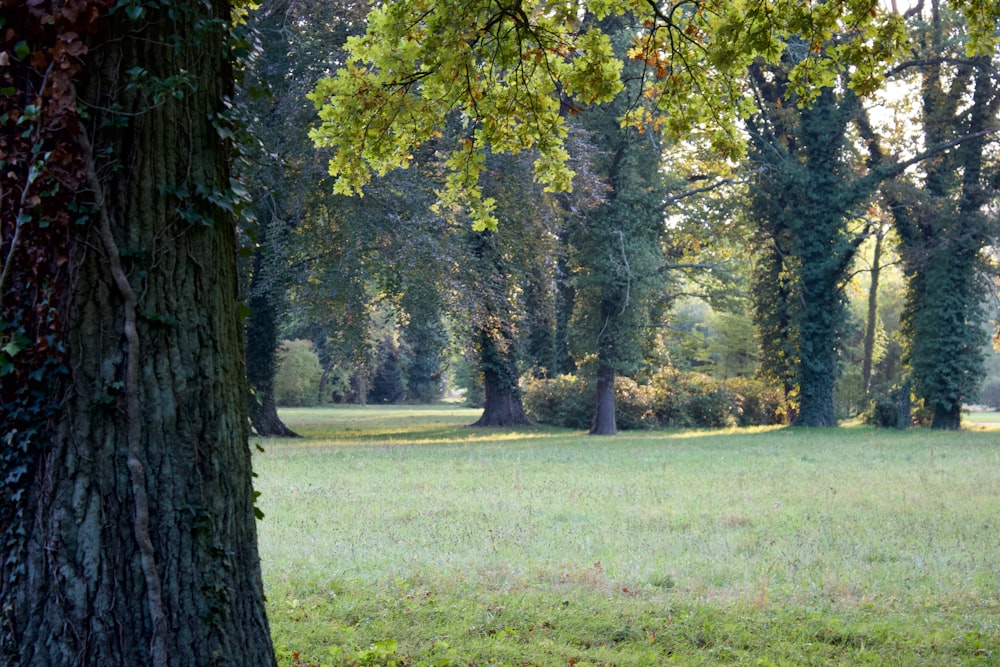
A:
{"points": [[617, 245], [803, 202], [495, 336], [427, 338], [127, 513], [265, 299], [515, 70], [946, 223], [281, 167]]}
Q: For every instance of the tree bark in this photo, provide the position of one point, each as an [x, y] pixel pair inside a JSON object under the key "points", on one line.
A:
{"points": [[138, 537], [604, 414], [502, 406]]}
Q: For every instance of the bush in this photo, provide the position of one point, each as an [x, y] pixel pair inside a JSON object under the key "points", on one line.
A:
{"points": [[755, 402], [690, 399], [633, 405], [891, 408], [566, 400], [296, 381], [671, 398]]}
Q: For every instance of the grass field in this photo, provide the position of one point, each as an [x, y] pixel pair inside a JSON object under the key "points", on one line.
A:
{"points": [[395, 536]]}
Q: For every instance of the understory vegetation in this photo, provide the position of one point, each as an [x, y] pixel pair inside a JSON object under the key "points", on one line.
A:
{"points": [[395, 536], [669, 398]]}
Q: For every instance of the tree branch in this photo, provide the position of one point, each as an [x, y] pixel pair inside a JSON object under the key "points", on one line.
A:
{"points": [[670, 201]]}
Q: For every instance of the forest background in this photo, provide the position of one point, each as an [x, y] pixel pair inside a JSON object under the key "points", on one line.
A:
{"points": [[839, 266]]}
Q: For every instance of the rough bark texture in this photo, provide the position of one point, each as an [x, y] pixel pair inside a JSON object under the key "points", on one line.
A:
{"points": [[139, 534]]}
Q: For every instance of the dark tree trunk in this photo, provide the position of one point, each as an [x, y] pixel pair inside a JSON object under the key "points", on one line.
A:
{"points": [[262, 343], [948, 418], [502, 406], [139, 539], [604, 414], [816, 372], [816, 408], [945, 232]]}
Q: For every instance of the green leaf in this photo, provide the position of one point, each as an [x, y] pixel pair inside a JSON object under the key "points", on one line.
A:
{"points": [[12, 348], [21, 49]]}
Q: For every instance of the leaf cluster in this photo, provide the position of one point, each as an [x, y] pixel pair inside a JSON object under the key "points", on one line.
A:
{"points": [[513, 72]]}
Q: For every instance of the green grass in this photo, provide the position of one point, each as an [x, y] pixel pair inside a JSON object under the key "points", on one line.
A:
{"points": [[395, 536]]}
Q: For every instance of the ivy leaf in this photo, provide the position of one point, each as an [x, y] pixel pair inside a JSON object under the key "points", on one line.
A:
{"points": [[13, 347], [21, 50]]}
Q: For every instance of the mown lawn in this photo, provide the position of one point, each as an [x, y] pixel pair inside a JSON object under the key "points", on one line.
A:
{"points": [[395, 536]]}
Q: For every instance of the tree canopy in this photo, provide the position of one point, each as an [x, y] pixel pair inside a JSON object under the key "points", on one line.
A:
{"points": [[516, 70]]}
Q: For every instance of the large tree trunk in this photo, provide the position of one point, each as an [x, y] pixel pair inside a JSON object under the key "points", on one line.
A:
{"points": [[948, 418], [816, 372], [136, 531], [496, 338], [502, 406]]}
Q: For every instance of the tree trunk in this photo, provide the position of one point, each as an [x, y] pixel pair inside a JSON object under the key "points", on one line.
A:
{"points": [[872, 321], [137, 532], [816, 372], [261, 347], [604, 414], [948, 418], [502, 406]]}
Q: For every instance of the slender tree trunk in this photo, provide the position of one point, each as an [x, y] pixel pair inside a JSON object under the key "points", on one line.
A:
{"points": [[139, 539], [604, 414], [872, 322]]}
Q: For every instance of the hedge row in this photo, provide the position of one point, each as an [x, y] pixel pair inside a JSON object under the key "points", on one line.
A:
{"points": [[670, 398]]}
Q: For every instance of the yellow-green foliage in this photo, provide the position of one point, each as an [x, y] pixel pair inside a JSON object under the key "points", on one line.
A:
{"points": [[507, 71]]}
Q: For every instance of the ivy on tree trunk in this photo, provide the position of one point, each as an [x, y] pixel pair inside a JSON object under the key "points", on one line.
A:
{"points": [[130, 538]]}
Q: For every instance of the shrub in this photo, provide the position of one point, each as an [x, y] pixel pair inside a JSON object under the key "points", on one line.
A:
{"points": [[633, 405], [756, 402], [671, 398], [891, 408], [690, 399], [566, 400], [296, 381]]}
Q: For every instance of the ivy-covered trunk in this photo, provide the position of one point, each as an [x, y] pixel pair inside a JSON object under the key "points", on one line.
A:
{"points": [[132, 538], [945, 227], [816, 372], [502, 405], [265, 292], [801, 203]]}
